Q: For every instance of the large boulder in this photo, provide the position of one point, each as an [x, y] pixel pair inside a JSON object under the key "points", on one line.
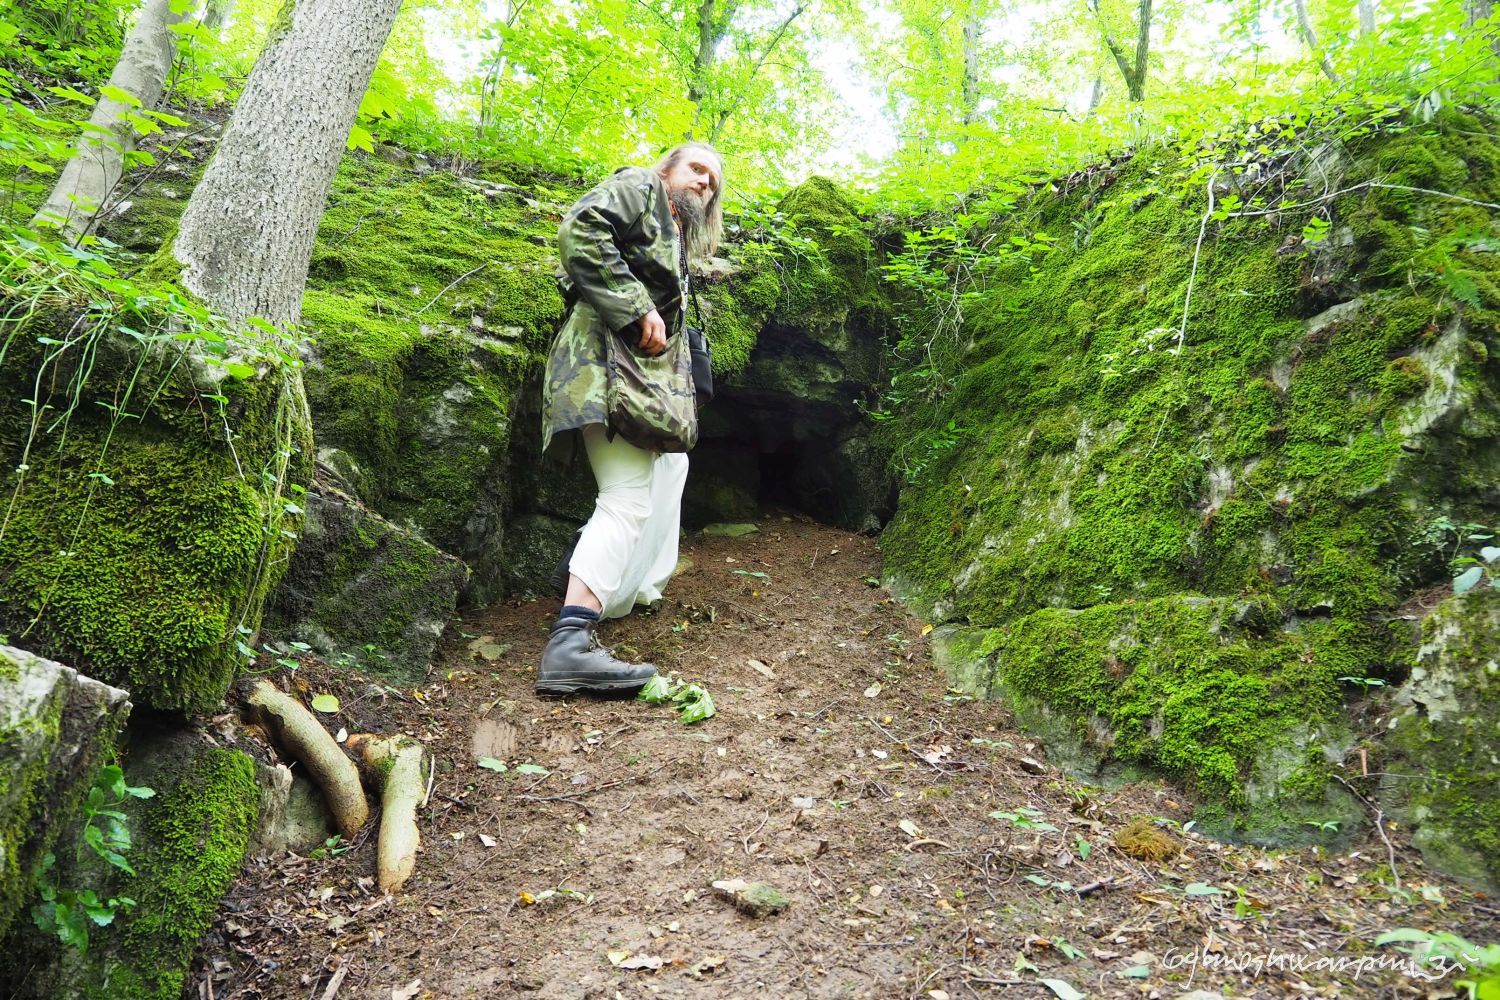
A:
{"points": [[189, 841], [361, 589], [1442, 772], [1188, 526], [57, 728], [153, 506]]}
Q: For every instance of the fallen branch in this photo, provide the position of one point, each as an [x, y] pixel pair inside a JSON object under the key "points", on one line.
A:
{"points": [[396, 765], [302, 738]]}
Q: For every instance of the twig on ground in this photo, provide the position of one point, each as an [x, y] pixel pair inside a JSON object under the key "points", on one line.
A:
{"points": [[1378, 820], [450, 284]]}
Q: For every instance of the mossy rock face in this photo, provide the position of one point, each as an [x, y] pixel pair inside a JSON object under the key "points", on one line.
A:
{"points": [[57, 728], [1180, 550], [188, 843], [360, 589], [141, 550], [534, 544], [1183, 686], [432, 298], [789, 421], [1443, 741]]}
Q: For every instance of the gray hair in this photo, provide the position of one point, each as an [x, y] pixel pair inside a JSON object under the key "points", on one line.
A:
{"points": [[713, 212]]}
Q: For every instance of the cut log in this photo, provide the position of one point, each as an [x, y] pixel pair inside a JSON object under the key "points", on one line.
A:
{"points": [[302, 737], [396, 765]]}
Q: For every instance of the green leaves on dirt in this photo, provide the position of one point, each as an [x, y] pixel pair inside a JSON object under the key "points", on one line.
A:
{"points": [[694, 703]]}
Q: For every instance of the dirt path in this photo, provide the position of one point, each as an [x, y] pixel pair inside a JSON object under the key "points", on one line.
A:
{"points": [[838, 770]]}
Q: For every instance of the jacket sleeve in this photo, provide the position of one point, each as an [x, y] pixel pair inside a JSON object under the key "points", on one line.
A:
{"points": [[589, 241]]}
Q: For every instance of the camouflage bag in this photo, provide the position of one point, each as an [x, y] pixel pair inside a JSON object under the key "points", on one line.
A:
{"points": [[650, 400]]}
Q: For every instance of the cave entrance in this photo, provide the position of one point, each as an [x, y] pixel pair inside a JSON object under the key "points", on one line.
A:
{"points": [[762, 450]]}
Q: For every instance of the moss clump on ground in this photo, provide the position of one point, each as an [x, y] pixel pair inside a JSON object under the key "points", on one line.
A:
{"points": [[1145, 841], [1281, 457]]}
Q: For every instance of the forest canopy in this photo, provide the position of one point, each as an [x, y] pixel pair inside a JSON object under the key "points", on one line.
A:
{"points": [[908, 101]]}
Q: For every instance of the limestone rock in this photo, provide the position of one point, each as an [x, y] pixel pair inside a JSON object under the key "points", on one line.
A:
{"points": [[534, 543], [1444, 738], [357, 581], [57, 727], [188, 842], [757, 899]]}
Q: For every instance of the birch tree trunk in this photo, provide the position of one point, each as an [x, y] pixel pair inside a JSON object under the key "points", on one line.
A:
{"points": [[972, 27], [99, 158], [247, 233]]}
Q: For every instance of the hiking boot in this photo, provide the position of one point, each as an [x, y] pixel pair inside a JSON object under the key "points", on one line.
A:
{"points": [[562, 572], [574, 660]]}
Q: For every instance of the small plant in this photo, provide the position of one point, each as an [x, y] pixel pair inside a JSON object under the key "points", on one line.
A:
{"points": [[1445, 953], [331, 848], [1025, 818], [69, 913]]}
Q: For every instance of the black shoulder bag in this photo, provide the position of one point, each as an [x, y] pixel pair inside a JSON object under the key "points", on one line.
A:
{"points": [[702, 352]]}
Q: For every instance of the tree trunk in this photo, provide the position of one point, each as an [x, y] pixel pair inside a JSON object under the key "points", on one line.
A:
{"points": [[1304, 26], [1133, 73], [972, 28], [1482, 10], [1366, 18], [215, 12], [1095, 96], [99, 158], [247, 233]]}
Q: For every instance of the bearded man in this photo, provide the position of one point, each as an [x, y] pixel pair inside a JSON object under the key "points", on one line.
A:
{"points": [[625, 248]]}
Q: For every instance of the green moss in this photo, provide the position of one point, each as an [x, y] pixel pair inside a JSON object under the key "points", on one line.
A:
{"points": [[135, 552], [1107, 484], [195, 833]]}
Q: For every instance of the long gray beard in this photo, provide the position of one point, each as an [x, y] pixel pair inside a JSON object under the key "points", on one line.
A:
{"points": [[691, 219]]}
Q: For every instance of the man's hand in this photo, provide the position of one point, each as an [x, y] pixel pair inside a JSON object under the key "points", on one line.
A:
{"points": [[653, 334]]}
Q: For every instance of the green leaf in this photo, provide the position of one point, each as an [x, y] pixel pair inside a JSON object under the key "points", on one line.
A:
{"points": [[536, 769], [114, 93], [657, 690], [72, 94], [360, 138], [1203, 889], [325, 703], [491, 764], [1466, 580], [1063, 990], [694, 704], [1138, 971]]}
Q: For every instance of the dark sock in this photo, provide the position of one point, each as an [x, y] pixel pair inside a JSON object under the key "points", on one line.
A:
{"points": [[578, 611]]}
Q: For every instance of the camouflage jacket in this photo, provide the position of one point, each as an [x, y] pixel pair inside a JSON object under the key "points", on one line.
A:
{"points": [[619, 260]]}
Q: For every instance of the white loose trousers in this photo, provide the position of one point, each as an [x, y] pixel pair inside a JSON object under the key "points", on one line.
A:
{"points": [[628, 549]]}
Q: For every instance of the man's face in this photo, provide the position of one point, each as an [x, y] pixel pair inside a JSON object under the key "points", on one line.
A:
{"points": [[695, 173]]}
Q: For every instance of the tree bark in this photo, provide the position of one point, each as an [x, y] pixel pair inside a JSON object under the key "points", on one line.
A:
{"points": [[1482, 10], [99, 158], [247, 233], [1305, 28], [970, 90], [1366, 18], [1133, 73]]}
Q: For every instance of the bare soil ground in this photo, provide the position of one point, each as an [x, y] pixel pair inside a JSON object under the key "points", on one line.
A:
{"points": [[840, 770]]}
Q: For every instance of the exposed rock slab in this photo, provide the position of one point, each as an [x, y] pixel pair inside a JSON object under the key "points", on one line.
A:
{"points": [[57, 727], [1443, 777], [366, 589]]}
